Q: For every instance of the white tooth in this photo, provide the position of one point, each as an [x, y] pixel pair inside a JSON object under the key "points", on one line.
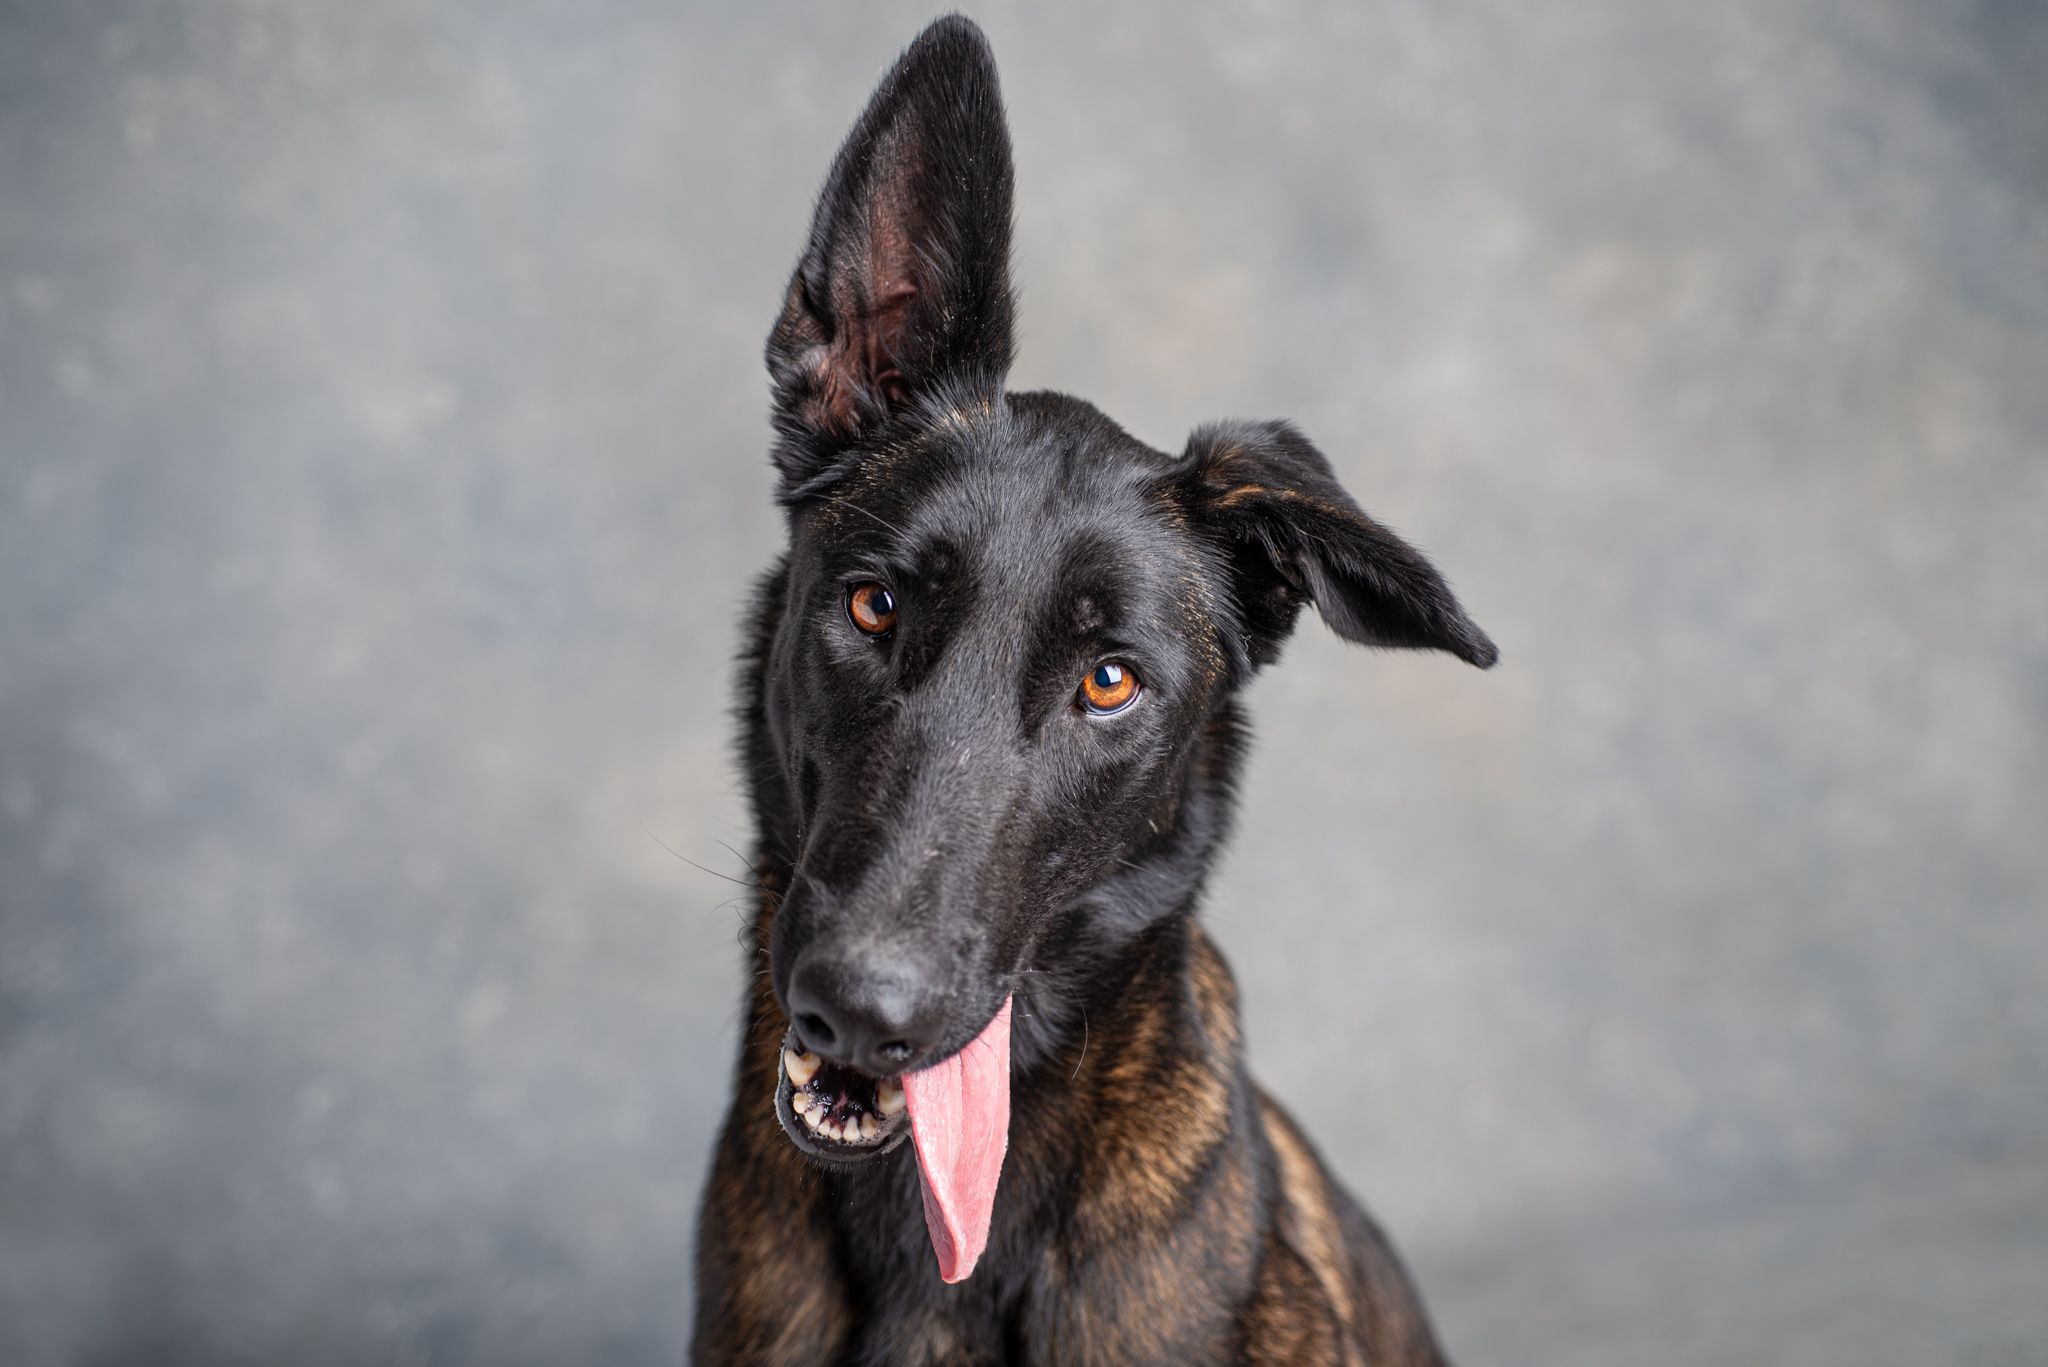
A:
{"points": [[801, 1067], [869, 1127], [889, 1099], [835, 1130], [802, 1102]]}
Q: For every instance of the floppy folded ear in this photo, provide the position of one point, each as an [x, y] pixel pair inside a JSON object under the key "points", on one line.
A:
{"points": [[1271, 502], [905, 283]]}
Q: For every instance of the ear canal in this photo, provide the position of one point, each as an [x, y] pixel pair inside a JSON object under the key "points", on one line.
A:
{"points": [[904, 286], [1271, 500]]}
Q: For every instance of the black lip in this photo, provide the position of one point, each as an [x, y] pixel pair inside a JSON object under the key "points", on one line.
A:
{"points": [[819, 1149]]}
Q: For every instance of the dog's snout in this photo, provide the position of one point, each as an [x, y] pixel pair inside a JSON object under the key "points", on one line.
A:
{"points": [[878, 1018]]}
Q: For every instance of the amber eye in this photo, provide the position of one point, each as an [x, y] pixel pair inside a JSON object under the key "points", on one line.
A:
{"points": [[872, 608], [1109, 687]]}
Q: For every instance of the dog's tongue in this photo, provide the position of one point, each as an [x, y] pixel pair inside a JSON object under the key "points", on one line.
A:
{"points": [[960, 1123]]}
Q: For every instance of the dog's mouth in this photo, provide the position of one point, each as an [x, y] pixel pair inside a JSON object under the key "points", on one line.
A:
{"points": [[834, 1112], [957, 1110]]}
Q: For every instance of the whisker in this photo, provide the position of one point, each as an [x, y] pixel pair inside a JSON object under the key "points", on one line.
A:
{"points": [[742, 858], [695, 865]]}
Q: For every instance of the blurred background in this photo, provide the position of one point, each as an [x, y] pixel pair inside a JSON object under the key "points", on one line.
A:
{"points": [[382, 468]]}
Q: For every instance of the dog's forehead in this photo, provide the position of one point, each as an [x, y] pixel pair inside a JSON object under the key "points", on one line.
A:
{"points": [[1031, 512], [1045, 513]]}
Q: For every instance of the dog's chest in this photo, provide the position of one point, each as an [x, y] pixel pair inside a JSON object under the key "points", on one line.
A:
{"points": [[1041, 1298]]}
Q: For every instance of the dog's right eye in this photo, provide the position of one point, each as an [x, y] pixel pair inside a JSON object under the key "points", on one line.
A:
{"points": [[872, 608], [1109, 688]]}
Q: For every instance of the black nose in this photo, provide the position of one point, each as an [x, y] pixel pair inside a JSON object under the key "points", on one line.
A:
{"points": [[880, 1022]]}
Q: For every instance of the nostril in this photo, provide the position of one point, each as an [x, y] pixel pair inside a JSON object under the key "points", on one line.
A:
{"points": [[816, 1030], [874, 1017]]}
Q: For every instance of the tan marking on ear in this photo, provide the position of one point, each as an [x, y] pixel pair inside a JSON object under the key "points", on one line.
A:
{"points": [[1245, 491]]}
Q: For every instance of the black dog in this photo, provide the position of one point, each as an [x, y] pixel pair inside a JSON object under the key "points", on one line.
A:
{"points": [[991, 736]]}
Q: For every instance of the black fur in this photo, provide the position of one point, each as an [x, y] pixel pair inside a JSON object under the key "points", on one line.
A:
{"points": [[937, 812]]}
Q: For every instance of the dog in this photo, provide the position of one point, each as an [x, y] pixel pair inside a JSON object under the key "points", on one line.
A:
{"points": [[991, 1104]]}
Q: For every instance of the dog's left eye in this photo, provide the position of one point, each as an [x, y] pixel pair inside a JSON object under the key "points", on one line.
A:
{"points": [[872, 608], [1109, 687]]}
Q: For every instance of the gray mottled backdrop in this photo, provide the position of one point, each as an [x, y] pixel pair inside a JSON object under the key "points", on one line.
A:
{"points": [[381, 468]]}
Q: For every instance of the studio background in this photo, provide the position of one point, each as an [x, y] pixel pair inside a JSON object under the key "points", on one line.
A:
{"points": [[382, 472]]}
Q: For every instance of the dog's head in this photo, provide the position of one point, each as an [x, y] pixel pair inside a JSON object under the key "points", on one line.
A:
{"points": [[1007, 624]]}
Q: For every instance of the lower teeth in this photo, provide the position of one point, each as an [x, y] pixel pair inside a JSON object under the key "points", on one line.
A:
{"points": [[817, 1092], [852, 1129]]}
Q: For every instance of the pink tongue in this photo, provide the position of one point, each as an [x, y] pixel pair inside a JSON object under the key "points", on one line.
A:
{"points": [[960, 1123]]}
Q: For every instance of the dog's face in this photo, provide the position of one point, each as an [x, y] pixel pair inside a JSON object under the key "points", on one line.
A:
{"points": [[1006, 623]]}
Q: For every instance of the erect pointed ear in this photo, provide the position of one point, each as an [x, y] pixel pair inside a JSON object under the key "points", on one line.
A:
{"points": [[905, 283], [1270, 501]]}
